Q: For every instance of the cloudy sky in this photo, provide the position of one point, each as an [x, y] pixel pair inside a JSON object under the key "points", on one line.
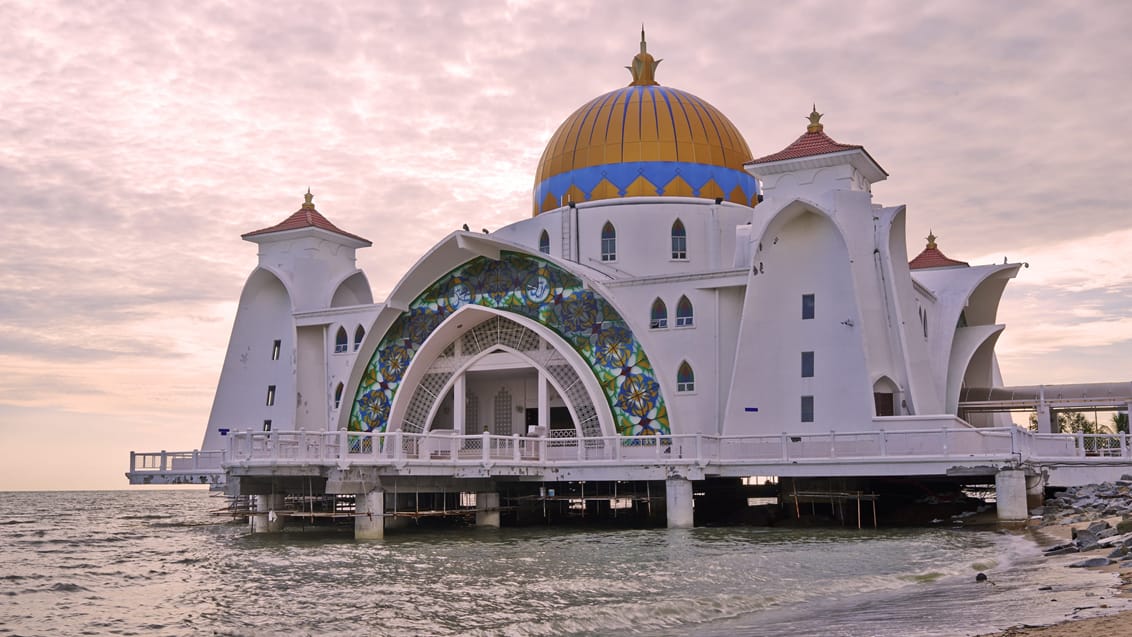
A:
{"points": [[138, 140]]}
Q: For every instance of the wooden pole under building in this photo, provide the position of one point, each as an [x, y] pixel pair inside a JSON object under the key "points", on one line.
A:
{"points": [[797, 508], [858, 510], [874, 512]]}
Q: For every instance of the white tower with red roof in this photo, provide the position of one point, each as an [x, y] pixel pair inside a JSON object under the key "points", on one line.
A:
{"points": [[303, 312]]}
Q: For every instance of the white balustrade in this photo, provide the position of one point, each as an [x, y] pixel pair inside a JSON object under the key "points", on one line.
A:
{"points": [[345, 448]]}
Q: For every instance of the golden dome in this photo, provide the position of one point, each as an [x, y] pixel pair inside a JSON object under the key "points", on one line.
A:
{"points": [[644, 140]]}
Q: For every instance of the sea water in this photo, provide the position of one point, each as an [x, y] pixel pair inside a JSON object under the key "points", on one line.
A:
{"points": [[160, 563]]}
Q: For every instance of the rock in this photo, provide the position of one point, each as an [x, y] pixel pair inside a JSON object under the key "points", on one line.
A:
{"points": [[1118, 552], [1038, 511], [1124, 526], [981, 577], [1107, 533], [1092, 562], [1045, 588], [1127, 477], [1064, 549], [1086, 540], [1098, 526]]}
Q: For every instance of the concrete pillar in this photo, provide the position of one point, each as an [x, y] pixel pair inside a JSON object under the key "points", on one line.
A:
{"points": [[543, 403], [1045, 421], [1010, 491], [678, 498], [1035, 491], [487, 509], [460, 405], [267, 518], [369, 518]]}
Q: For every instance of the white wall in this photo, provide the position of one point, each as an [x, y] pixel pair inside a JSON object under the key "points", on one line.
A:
{"points": [[803, 252], [263, 316]]}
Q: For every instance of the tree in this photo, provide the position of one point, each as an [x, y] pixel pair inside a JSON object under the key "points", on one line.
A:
{"points": [[1077, 422], [1120, 422]]}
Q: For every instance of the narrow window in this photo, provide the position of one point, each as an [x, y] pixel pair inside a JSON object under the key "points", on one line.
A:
{"points": [[807, 306], [807, 364], [685, 378], [338, 396], [267, 425], [472, 415], [340, 341], [503, 413], [359, 334], [658, 316], [684, 312], [544, 242], [807, 408], [679, 241], [608, 242], [270, 395], [275, 347]]}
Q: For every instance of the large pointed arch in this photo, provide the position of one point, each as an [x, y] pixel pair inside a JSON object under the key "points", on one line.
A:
{"points": [[538, 290]]}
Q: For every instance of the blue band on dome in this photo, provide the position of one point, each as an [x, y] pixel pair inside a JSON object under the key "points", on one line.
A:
{"points": [[658, 173]]}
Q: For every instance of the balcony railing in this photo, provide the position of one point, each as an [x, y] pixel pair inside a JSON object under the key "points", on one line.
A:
{"points": [[344, 449]]}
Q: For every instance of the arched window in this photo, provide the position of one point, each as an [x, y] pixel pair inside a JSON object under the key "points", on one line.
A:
{"points": [[608, 242], [658, 316], [341, 342], [679, 241], [684, 316], [338, 395], [685, 378], [544, 242], [359, 334]]}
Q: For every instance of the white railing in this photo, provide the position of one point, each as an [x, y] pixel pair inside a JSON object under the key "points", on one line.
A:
{"points": [[445, 447], [177, 462], [1081, 445]]}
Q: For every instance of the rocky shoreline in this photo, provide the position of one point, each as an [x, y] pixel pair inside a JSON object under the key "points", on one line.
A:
{"points": [[1095, 524], [1098, 506]]}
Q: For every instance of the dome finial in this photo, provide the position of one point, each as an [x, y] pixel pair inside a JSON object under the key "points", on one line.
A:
{"points": [[815, 125], [309, 200], [931, 240], [644, 66]]}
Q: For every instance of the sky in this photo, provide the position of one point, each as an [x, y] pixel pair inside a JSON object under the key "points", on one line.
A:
{"points": [[139, 140]]}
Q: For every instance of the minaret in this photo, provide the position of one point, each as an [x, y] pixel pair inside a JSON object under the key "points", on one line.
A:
{"points": [[275, 374]]}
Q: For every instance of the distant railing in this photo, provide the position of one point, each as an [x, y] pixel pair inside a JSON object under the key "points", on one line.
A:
{"points": [[345, 448]]}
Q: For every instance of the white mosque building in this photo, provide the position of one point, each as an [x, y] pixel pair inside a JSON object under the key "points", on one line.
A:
{"points": [[669, 283]]}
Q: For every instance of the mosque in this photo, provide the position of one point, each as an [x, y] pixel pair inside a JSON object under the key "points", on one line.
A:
{"points": [[669, 285]]}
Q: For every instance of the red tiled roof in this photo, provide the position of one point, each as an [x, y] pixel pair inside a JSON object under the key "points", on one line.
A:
{"points": [[809, 144], [305, 217], [931, 257]]}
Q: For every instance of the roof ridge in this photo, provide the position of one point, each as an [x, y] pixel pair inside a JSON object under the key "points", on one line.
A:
{"points": [[808, 144], [305, 217]]}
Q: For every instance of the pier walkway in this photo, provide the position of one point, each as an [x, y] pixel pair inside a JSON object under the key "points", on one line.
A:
{"points": [[1064, 459]]}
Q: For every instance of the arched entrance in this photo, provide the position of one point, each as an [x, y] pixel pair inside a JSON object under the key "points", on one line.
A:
{"points": [[885, 396], [499, 376]]}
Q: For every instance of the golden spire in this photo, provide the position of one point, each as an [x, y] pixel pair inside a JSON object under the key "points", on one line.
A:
{"points": [[931, 240], [815, 125], [644, 66], [308, 204]]}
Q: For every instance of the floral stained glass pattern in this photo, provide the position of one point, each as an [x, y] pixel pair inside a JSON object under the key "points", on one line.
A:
{"points": [[540, 291]]}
